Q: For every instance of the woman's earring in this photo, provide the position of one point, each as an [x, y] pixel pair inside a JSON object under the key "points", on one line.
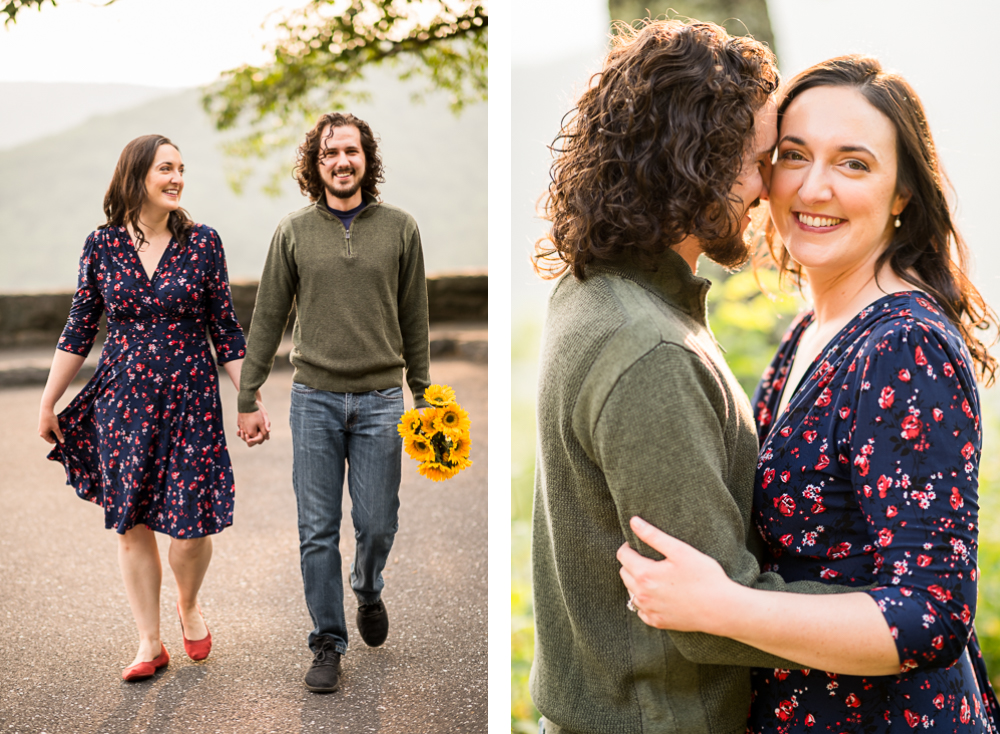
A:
{"points": [[898, 223]]}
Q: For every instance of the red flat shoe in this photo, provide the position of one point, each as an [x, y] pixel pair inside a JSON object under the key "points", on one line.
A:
{"points": [[195, 649], [142, 671]]}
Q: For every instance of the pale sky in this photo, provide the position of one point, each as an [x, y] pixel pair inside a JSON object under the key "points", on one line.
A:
{"points": [[180, 43], [546, 30]]}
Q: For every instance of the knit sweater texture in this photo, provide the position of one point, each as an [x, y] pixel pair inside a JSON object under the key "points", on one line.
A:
{"points": [[360, 303], [638, 414]]}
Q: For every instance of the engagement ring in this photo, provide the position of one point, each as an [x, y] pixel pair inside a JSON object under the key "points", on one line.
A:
{"points": [[631, 604]]}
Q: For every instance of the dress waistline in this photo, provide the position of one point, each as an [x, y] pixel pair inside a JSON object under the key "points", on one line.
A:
{"points": [[157, 326]]}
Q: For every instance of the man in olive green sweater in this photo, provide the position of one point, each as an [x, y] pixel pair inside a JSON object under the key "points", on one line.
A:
{"points": [[638, 413], [354, 269]]}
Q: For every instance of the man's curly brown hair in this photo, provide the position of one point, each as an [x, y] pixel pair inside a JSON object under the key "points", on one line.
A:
{"points": [[653, 148], [307, 158]]}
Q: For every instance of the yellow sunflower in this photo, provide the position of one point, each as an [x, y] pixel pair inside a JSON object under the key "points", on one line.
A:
{"points": [[418, 447], [461, 445], [427, 416], [439, 395], [452, 420], [437, 472], [458, 461], [410, 423]]}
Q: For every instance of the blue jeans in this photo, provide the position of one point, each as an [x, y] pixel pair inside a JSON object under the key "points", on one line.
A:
{"points": [[329, 429]]}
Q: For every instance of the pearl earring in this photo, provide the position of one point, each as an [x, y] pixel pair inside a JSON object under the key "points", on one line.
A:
{"points": [[898, 223]]}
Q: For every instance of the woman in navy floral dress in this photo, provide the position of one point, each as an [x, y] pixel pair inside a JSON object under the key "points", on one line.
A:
{"points": [[869, 422], [144, 438]]}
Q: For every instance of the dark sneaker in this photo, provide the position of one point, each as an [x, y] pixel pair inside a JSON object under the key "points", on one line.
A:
{"points": [[373, 623], [324, 675]]}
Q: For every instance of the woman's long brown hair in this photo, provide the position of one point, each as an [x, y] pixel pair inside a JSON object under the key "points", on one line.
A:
{"points": [[127, 191]]}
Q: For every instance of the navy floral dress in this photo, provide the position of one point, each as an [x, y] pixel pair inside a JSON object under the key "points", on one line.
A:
{"points": [[144, 437], [870, 476]]}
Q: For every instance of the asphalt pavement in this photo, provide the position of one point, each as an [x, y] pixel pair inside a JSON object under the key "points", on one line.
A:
{"points": [[66, 629]]}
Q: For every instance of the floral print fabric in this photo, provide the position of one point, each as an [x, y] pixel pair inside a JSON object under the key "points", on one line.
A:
{"points": [[144, 438], [870, 476]]}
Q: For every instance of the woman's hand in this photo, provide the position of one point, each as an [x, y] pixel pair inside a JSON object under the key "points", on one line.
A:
{"points": [[48, 426], [254, 428], [65, 367], [683, 592]]}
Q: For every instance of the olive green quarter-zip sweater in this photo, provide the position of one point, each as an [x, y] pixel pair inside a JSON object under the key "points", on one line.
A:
{"points": [[638, 414], [360, 299]]}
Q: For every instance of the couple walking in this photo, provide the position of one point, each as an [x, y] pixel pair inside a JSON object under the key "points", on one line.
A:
{"points": [[806, 557], [144, 438]]}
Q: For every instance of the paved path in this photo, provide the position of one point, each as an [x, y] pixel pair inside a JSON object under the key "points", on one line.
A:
{"points": [[66, 629]]}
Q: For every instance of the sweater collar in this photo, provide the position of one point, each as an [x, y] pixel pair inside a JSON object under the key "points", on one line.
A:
{"points": [[672, 281], [371, 203]]}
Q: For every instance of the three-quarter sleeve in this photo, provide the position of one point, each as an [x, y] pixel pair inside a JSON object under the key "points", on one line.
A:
{"points": [[223, 326], [914, 450], [88, 303]]}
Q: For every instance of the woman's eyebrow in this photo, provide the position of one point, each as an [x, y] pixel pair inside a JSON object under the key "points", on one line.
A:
{"points": [[856, 149], [841, 149], [792, 139]]}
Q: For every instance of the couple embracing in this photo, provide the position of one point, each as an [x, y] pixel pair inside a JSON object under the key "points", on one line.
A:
{"points": [[806, 558]]}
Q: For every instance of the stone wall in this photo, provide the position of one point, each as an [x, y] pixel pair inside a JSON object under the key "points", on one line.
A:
{"points": [[37, 319]]}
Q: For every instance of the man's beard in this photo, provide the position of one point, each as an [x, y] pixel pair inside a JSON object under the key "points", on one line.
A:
{"points": [[733, 251], [343, 193]]}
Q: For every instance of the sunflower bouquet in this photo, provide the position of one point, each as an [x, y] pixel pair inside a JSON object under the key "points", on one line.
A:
{"points": [[438, 436]]}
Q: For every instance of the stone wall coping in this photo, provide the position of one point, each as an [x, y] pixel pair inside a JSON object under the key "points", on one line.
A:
{"points": [[38, 318]]}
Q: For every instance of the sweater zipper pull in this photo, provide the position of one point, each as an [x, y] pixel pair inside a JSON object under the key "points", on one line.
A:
{"points": [[347, 234]]}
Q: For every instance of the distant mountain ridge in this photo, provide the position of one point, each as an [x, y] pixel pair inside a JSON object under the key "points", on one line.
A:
{"points": [[31, 110], [52, 188]]}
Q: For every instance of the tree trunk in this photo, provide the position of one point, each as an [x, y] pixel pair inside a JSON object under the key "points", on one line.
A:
{"points": [[739, 17]]}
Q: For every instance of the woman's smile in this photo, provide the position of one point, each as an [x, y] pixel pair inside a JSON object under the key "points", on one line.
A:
{"points": [[818, 222]]}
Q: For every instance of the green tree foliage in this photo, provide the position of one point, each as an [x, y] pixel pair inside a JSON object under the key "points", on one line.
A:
{"points": [[326, 48], [749, 313], [9, 11], [988, 607], [525, 343], [739, 17]]}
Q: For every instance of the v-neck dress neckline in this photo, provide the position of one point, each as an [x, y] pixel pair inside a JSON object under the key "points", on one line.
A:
{"points": [[799, 329], [159, 263]]}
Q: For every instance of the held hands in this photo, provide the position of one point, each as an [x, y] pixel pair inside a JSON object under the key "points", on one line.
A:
{"points": [[48, 426], [686, 591], [254, 428]]}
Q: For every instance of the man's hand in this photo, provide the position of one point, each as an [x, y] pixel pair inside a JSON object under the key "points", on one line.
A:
{"points": [[254, 428]]}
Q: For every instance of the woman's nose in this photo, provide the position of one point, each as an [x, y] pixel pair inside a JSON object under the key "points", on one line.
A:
{"points": [[815, 185]]}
